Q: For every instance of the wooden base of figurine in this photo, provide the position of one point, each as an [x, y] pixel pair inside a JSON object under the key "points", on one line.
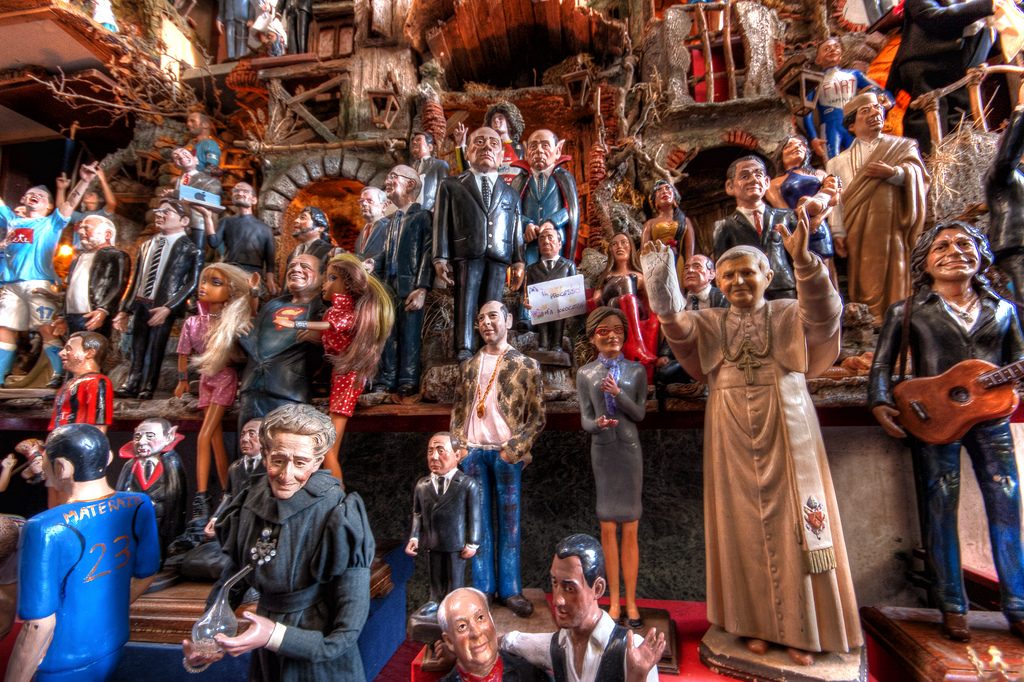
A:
{"points": [[557, 358], [662, 620], [908, 644], [728, 655]]}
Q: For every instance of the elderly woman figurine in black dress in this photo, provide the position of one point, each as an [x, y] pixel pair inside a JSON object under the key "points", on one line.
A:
{"points": [[315, 586], [613, 395]]}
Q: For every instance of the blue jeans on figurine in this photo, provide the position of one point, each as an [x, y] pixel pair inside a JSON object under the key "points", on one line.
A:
{"points": [[501, 480], [990, 446]]}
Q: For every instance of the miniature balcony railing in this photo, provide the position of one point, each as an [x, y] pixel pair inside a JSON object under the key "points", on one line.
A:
{"points": [[711, 28], [929, 102]]}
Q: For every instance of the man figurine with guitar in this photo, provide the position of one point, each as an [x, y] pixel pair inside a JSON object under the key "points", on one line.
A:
{"points": [[967, 350]]}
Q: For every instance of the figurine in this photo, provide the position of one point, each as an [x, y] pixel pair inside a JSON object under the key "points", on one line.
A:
{"points": [[938, 46], [97, 279], [405, 267], [226, 308], [758, 225], [242, 470], [431, 170], [10, 537], [620, 285], [248, 241], [194, 180], [588, 644], [505, 119], [92, 203], [205, 149], [355, 329], [477, 227], [370, 242], [103, 14], [955, 316], [838, 86], [548, 194], [469, 634], [313, 571], [157, 471], [232, 17], [550, 266], [613, 397], [87, 397], [31, 471], [799, 183], [882, 210], [281, 361], [446, 517], [166, 274], [495, 418], [771, 523], [267, 35], [298, 14], [1004, 194], [313, 234], [81, 565], [669, 225], [27, 275]]}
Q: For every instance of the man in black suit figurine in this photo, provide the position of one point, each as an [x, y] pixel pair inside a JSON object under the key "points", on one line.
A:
{"points": [[165, 275], [700, 293], [1004, 191], [477, 228], [431, 170], [97, 278], [754, 222], [445, 520], [187, 162], [370, 242], [548, 194], [242, 470], [549, 267], [405, 266], [941, 39]]}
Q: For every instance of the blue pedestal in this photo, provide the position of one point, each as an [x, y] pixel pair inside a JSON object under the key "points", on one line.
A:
{"points": [[383, 633]]}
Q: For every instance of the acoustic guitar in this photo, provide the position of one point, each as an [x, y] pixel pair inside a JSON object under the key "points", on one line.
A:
{"points": [[941, 409]]}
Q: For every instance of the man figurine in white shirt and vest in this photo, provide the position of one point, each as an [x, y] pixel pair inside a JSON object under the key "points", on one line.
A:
{"points": [[165, 275], [589, 646]]}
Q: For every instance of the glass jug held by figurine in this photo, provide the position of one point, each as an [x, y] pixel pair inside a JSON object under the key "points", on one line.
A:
{"points": [[219, 618]]}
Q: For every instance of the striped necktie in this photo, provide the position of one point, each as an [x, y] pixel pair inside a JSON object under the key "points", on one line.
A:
{"points": [[154, 267]]}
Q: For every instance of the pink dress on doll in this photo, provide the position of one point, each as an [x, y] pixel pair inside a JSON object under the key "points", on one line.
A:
{"points": [[336, 339], [219, 389]]}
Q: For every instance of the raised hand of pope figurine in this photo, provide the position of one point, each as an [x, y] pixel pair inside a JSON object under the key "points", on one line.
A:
{"points": [[658, 262], [796, 241], [641, 659]]}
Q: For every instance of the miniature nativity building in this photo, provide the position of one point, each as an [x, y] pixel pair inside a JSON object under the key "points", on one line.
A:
{"points": [[301, 121]]}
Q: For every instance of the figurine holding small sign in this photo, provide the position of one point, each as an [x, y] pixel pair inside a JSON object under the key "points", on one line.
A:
{"points": [[549, 267]]}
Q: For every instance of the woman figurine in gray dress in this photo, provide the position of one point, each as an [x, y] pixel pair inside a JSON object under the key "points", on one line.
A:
{"points": [[613, 395]]}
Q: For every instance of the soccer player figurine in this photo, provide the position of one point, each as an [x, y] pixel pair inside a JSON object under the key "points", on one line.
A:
{"points": [[88, 397], [81, 565]]}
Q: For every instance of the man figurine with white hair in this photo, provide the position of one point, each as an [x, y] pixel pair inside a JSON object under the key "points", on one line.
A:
{"points": [[771, 522], [370, 242], [97, 278], [468, 631]]}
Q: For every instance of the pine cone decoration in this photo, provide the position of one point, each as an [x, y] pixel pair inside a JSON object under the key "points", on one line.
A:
{"points": [[433, 121], [596, 169]]}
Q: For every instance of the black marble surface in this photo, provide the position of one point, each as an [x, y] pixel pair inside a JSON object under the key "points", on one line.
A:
{"points": [[558, 499]]}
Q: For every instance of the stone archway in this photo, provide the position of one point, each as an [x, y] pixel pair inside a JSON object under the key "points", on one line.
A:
{"points": [[295, 173]]}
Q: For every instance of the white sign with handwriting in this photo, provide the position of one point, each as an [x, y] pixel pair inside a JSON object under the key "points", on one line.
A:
{"points": [[557, 299]]}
